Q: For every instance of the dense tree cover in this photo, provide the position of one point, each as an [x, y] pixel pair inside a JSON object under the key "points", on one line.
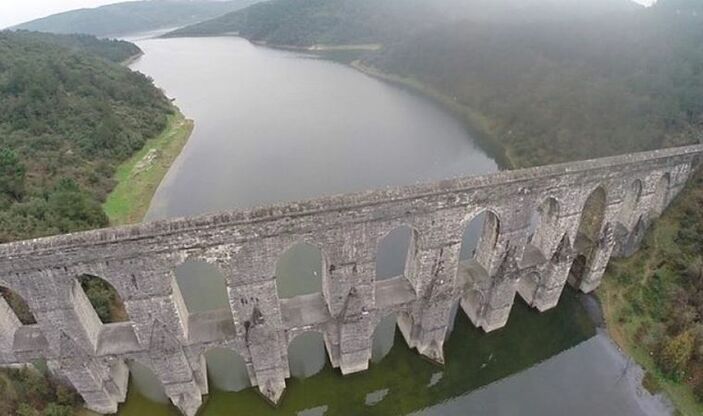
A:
{"points": [[310, 22], [29, 392], [568, 90], [133, 16], [618, 78], [112, 50], [67, 117], [69, 113]]}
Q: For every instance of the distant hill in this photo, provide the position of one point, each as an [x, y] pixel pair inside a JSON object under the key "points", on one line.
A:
{"points": [[309, 22], [133, 17]]}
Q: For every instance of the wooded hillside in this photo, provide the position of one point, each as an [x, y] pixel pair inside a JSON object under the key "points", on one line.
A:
{"points": [[69, 113]]}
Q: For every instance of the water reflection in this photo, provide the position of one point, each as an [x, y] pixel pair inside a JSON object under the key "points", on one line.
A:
{"points": [[306, 355], [146, 382], [383, 338], [226, 370], [474, 359], [202, 286]]}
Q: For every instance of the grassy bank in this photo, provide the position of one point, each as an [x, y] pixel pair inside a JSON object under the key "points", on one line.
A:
{"points": [[645, 300], [139, 177]]}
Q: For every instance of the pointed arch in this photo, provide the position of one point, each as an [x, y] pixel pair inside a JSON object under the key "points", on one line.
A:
{"points": [[592, 216], [631, 201], [635, 237], [395, 252], [104, 298], [661, 194], [300, 270], [561, 253], [383, 337], [578, 271], [145, 380], [543, 224], [480, 235], [202, 285], [306, 354], [17, 306]]}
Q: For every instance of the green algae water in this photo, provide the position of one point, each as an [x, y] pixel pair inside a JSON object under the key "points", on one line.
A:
{"points": [[405, 381]]}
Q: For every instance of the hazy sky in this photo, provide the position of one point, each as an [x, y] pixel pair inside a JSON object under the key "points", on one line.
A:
{"points": [[13, 12]]}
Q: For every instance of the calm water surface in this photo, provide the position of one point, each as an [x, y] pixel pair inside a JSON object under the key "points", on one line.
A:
{"points": [[277, 126]]}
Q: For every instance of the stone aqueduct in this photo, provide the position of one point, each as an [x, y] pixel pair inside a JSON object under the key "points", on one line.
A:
{"points": [[588, 211]]}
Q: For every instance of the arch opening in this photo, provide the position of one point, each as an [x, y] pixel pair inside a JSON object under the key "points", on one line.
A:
{"points": [[299, 271], [383, 337], [451, 324], [393, 253], [202, 285], [592, 217], [227, 370], [630, 203], [306, 354], [578, 270], [480, 236], [562, 249], [104, 299], [18, 306], [661, 194], [543, 224], [146, 382]]}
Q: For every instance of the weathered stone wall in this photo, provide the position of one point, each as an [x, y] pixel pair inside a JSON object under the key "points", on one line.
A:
{"points": [[512, 257]]}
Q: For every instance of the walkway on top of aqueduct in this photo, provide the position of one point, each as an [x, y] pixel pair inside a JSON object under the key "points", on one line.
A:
{"points": [[543, 226]]}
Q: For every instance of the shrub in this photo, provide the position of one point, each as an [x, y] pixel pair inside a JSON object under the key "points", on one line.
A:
{"points": [[675, 353]]}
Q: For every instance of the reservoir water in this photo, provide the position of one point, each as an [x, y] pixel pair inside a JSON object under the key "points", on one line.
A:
{"points": [[277, 126]]}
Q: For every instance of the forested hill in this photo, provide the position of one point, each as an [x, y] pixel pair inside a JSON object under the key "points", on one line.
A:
{"points": [[310, 22], [134, 16], [550, 81], [571, 89], [69, 113]]}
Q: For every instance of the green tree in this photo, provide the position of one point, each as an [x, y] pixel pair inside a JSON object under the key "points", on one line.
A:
{"points": [[12, 175]]}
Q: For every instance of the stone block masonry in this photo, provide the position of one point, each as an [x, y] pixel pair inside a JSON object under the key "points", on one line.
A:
{"points": [[544, 227]]}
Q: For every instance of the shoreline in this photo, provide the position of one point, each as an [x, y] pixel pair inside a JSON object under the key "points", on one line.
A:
{"points": [[139, 177], [132, 59], [479, 125]]}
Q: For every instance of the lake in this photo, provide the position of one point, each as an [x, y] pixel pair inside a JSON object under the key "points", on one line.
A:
{"points": [[275, 126]]}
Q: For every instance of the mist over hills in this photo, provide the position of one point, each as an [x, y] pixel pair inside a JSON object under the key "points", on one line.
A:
{"points": [[133, 17], [307, 22], [551, 80]]}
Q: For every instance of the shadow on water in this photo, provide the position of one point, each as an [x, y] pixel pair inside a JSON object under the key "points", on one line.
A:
{"points": [[403, 382]]}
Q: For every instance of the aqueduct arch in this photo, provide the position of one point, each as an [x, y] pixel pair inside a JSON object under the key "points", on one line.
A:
{"points": [[578, 219]]}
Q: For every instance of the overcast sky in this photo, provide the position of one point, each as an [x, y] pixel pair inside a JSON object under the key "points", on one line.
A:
{"points": [[13, 12]]}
